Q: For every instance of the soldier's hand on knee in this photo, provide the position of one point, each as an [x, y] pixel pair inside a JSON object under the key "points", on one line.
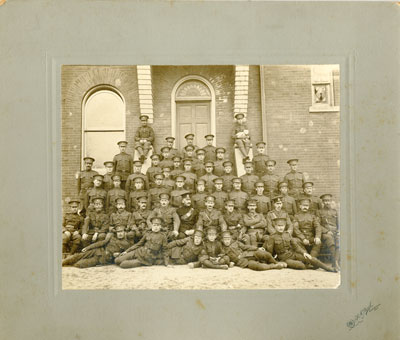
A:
{"points": [[76, 233], [307, 256], [175, 233], [84, 250], [306, 242], [84, 236], [95, 237], [67, 233], [317, 241]]}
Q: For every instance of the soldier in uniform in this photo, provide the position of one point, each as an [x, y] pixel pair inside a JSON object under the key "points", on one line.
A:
{"points": [[114, 194], [187, 250], [247, 256], [288, 250], [137, 172], [153, 169], [330, 228], [209, 149], [96, 224], [211, 216], [96, 191], [260, 160], [263, 202], [177, 169], [233, 219], [270, 179], [144, 138], [121, 218], [199, 197], [227, 176], [238, 196], [307, 228], [220, 196], [254, 225], [148, 250], [190, 177], [240, 134], [198, 166], [209, 177], [101, 252], [190, 151], [278, 212], [154, 193], [294, 179], [219, 162], [176, 194], [212, 255], [72, 228], [168, 183], [123, 163], [188, 216], [134, 195], [315, 201], [189, 141], [289, 203], [166, 158], [170, 143], [248, 179], [169, 216], [138, 225], [107, 181], [85, 180]]}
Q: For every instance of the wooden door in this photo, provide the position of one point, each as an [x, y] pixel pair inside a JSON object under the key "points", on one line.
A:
{"points": [[192, 117]]}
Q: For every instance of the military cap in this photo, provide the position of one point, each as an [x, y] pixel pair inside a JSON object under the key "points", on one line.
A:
{"points": [[169, 138], [239, 115], [142, 199], [108, 163], [187, 160], [177, 158], [271, 161], [97, 198], [247, 160], [158, 176], [74, 200], [218, 180], [158, 219], [142, 194], [211, 228], [292, 160], [122, 142], [98, 176], [180, 178], [209, 136], [230, 202], [155, 155], [279, 220], [165, 148], [120, 199], [90, 159], [144, 117], [259, 184], [303, 199], [164, 195], [226, 163], [308, 184], [189, 147], [138, 179], [226, 234], [116, 177], [189, 135], [282, 184], [209, 197], [119, 228], [209, 163], [198, 232], [200, 151], [220, 149], [325, 196], [137, 163], [251, 202], [199, 181], [261, 143], [277, 198], [185, 193], [236, 179]]}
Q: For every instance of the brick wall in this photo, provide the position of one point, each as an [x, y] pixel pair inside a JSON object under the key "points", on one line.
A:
{"points": [[294, 132]]}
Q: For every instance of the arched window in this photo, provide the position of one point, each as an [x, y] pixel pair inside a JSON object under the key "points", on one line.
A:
{"points": [[103, 124]]}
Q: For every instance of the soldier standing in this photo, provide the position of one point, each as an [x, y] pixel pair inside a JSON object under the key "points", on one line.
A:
{"points": [[189, 141], [209, 177], [260, 160], [238, 196], [209, 149], [190, 177], [114, 194], [270, 179], [198, 163], [263, 202], [219, 162], [96, 191], [123, 163], [248, 179], [220, 196], [227, 176], [294, 179], [85, 179], [289, 203], [107, 181], [199, 197]]}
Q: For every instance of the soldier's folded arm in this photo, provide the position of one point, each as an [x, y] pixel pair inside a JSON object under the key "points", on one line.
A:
{"points": [[178, 243], [97, 244]]}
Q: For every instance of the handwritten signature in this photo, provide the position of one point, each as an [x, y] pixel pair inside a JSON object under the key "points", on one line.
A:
{"points": [[359, 318]]}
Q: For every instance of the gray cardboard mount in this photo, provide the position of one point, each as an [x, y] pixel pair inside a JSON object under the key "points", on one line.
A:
{"points": [[36, 37]]}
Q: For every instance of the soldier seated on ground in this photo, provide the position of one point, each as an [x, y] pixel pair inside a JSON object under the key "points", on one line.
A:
{"points": [[72, 228], [212, 255], [187, 250]]}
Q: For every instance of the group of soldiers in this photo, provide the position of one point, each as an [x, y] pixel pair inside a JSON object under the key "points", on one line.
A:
{"points": [[190, 208]]}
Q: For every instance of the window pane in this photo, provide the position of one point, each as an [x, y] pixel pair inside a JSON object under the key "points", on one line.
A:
{"points": [[104, 110], [102, 146]]}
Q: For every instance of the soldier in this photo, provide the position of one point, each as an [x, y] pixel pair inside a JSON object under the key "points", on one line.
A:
{"points": [[114, 194], [144, 138], [148, 250], [307, 228], [209, 149], [199, 197], [263, 202], [96, 223], [289, 203], [294, 179], [138, 225], [96, 191], [166, 158], [169, 216], [240, 134], [121, 219], [187, 250], [260, 160], [248, 256], [288, 250], [248, 179], [237, 195], [107, 181], [190, 152], [233, 219], [154, 193], [134, 195], [254, 225], [278, 212], [189, 141], [176, 194], [270, 179], [168, 183], [212, 255], [177, 169], [188, 216], [198, 163], [219, 162], [100, 253], [315, 201], [210, 216], [153, 169], [137, 172], [330, 228], [123, 163], [85, 179], [220, 196], [170, 143], [227, 176], [190, 177], [72, 228], [209, 177]]}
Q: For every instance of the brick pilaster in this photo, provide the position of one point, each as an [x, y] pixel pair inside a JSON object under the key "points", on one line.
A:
{"points": [[145, 91]]}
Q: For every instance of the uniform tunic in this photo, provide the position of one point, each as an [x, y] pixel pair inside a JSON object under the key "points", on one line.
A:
{"points": [[111, 200], [133, 203], [283, 245], [220, 199], [289, 205], [123, 165], [260, 164], [154, 199], [72, 222], [211, 218], [190, 181], [219, 168], [211, 251], [227, 186], [239, 253], [234, 222], [184, 250], [198, 200], [130, 186], [315, 203], [254, 224], [139, 222], [91, 194], [329, 223], [198, 168], [120, 219], [108, 182], [210, 155], [151, 172], [248, 182], [144, 132], [188, 217], [307, 226], [176, 197], [295, 181], [278, 214], [95, 222], [240, 198], [271, 182], [85, 182], [169, 215], [209, 179], [263, 203]]}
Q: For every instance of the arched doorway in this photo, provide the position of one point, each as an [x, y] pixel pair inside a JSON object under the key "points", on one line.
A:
{"points": [[193, 110]]}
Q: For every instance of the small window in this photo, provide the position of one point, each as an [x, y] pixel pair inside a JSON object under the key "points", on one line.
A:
{"points": [[103, 121]]}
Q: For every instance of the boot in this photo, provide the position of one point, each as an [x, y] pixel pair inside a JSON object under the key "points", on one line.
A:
{"points": [[319, 264]]}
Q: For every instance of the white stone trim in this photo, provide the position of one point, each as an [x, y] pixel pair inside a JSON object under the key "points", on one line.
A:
{"points": [[145, 91]]}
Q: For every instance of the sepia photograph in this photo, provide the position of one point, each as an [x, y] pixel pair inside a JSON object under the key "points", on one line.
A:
{"points": [[200, 177]]}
